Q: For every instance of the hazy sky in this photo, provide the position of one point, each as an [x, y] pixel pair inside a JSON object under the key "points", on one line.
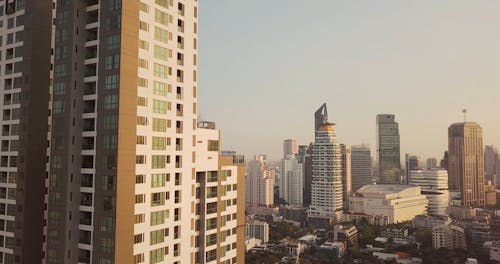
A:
{"points": [[267, 65]]}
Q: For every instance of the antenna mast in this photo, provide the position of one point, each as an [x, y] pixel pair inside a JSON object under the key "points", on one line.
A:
{"points": [[464, 112]]}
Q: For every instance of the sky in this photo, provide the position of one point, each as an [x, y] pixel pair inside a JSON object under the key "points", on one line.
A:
{"points": [[265, 66]]}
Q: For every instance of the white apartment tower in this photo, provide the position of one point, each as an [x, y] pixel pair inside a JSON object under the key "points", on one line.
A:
{"points": [[260, 182], [326, 188], [290, 147], [291, 181], [361, 167]]}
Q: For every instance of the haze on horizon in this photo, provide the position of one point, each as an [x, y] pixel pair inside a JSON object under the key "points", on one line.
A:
{"points": [[266, 66]]}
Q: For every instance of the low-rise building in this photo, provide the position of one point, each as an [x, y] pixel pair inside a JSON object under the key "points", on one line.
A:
{"points": [[347, 234], [428, 221], [400, 233], [258, 229], [494, 247], [334, 249], [448, 236], [396, 203]]}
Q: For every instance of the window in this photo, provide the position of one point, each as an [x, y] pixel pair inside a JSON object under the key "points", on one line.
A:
{"points": [[113, 42], [213, 145], [211, 240], [143, 26], [139, 218], [212, 223], [157, 218], [139, 178], [110, 142], [157, 236], [139, 238], [158, 180], [158, 161], [142, 121], [159, 107], [161, 17], [161, 53], [159, 125], [212, 192], [139, 198], [141, 82], [157, 199], [143, 63], [160, 70], [59, 88], [112, 62], [110, 121], [141, 140], [212, 208], [157, 255], [143, 45], [159, 143], [162, 3], [142, 101], [161, 35], [160, 88], [140, 159], [144, 7], [111, 81]]}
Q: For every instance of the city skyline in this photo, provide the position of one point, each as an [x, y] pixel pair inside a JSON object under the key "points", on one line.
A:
{"points": [[443, 54]]}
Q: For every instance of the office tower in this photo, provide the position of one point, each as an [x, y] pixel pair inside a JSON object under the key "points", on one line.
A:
{"points": [[490, 160], [346, 153], [25, 78], [291, 181], [260, 182], [307, 174], [320, 117], [434, 185], [444, 162], [411, 163], [326, 186], [466, 162], [290, 147], [361, 167], [388, 149], [133, 176], [431, 163]]}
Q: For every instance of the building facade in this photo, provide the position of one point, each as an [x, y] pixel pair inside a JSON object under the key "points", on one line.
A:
{"points": [[258, 229], [361, 167], [326, 186], [490, 163], [260, 182], [466, 162], [346, 153], [388, 149], [291, 181], [448, 236], [395, 203], [26, 43], [434, 185], [290, 147]]}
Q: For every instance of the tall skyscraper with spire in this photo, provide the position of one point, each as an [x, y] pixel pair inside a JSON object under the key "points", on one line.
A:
{"points": [[466, 162], [326, 187], [388, 149]]}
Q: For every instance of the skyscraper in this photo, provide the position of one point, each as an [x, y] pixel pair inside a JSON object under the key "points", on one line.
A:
{"points": [[260, 182], [346, 174], [134, 176], [490, 163], [411, 163], [25, 81], [361, 167], [326, 187], [291, 181], [431, 163], [290, 147], [466, 162], [388, 149], [306, 153]]}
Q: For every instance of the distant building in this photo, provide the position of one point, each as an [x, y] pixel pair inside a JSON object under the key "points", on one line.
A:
{"points": [[291, 181], [258, 229], [429, 221], [388, 149], [399, 233], [294, 214], [346, 174], [444, 161], [466, 162], [345, 233], [490, 163], [431, 163], [326, 186], [305, 157], [448, 236], [290, 148], [434, 184], [490, 194], [398, 203], [260, 182], [361, 167], [494, 247], [411, 163]]}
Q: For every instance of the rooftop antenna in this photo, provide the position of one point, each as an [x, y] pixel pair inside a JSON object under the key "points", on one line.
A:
{"points": [[464, 112]]}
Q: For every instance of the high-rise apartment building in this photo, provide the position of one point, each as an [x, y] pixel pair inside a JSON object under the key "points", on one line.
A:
{"points": [[260, 182], [326, 187], [411, 163], [346, 154], [361, 167], [290, 147], [132, 176], [291, 181], [490, 163], [434, 185], [305, 156], [388, 149], [431, 163], [26, 39], [466, 162]]}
